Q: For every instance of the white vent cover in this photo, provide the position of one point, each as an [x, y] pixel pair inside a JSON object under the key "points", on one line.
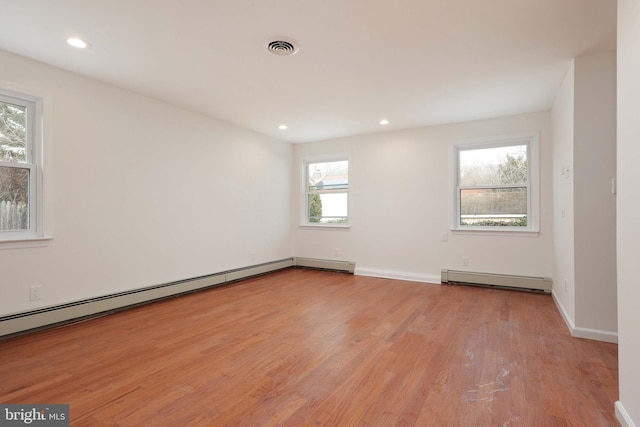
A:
{"points": [[282, 48]]}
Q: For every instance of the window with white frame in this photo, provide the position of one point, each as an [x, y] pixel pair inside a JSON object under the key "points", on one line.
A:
{"points": [[20, 210], [495, 183], [326, 191]]}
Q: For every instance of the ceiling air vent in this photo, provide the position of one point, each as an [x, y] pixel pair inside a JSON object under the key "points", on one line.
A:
{"points": [[281, 48]]}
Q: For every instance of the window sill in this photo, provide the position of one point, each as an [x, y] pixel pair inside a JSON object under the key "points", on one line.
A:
{"points": [[325, 227], [25, 242], [495, 232]]}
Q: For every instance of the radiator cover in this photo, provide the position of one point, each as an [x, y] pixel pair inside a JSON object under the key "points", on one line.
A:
{"points": [[326, 264], [92, 307], [541, 284]]}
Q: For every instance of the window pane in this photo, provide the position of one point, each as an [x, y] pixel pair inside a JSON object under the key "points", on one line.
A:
{"points": [[328, 208], [13, 132], [493, 166], [14, 198], [494, 207], [328, 175]]}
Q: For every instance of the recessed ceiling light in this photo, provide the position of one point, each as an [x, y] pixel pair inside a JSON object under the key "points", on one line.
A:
{"points": [[77, 43], [384, 122], [282, 127]]}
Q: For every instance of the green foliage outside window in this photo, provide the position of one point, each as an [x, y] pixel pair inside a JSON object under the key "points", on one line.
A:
{"points": [[315, 208]]}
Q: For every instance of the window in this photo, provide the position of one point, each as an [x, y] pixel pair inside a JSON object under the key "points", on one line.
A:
{"points": [[495, 183], [19, 166], [326, 191]]}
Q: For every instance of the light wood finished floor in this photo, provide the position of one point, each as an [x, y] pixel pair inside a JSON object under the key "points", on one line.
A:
{"points": [[312, 348]]}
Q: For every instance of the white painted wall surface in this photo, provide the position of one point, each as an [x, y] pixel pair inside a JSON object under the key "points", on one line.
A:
{"points": [[143, 193], [584, 164], [594, 151], [401, 205], [628, 235], [562, 119]]}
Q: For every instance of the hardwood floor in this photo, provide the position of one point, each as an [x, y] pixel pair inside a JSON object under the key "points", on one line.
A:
{"points": [[313, 348]]}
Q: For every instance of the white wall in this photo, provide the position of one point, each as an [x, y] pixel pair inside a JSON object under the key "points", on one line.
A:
{"points": [[584, 158], [594, 168], [401, 206], [628, 244], [143, 193], [563, 256]]}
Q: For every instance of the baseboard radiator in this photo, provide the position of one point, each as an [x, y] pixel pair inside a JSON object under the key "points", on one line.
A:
{"points": [[93, 307], [326, 264], [539, 284]]}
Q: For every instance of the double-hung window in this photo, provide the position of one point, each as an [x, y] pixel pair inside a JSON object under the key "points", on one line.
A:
{"points": [[495, 183], [326, 191], [20, 210]]}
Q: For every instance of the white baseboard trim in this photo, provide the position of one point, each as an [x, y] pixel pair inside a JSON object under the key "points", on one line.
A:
{"points": [[64, 313], [565, 316], [586, 333], [596, 335], [397, 275], [623, 416]]}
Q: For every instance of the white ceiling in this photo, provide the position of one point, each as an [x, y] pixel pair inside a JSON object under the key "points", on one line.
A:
{"points": [[414, 62]]}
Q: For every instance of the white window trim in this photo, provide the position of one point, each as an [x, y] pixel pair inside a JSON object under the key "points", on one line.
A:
{"points": [[532, 140], [37, 235], [321, 158]]}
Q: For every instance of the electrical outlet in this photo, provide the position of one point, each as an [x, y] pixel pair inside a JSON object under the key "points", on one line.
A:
{"points": [[444, 236], [566, 285], [34, 293], [465, 261], [336, 253]]}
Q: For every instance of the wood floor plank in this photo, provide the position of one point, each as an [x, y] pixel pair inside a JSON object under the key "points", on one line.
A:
{"points": [[305, 347]]}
